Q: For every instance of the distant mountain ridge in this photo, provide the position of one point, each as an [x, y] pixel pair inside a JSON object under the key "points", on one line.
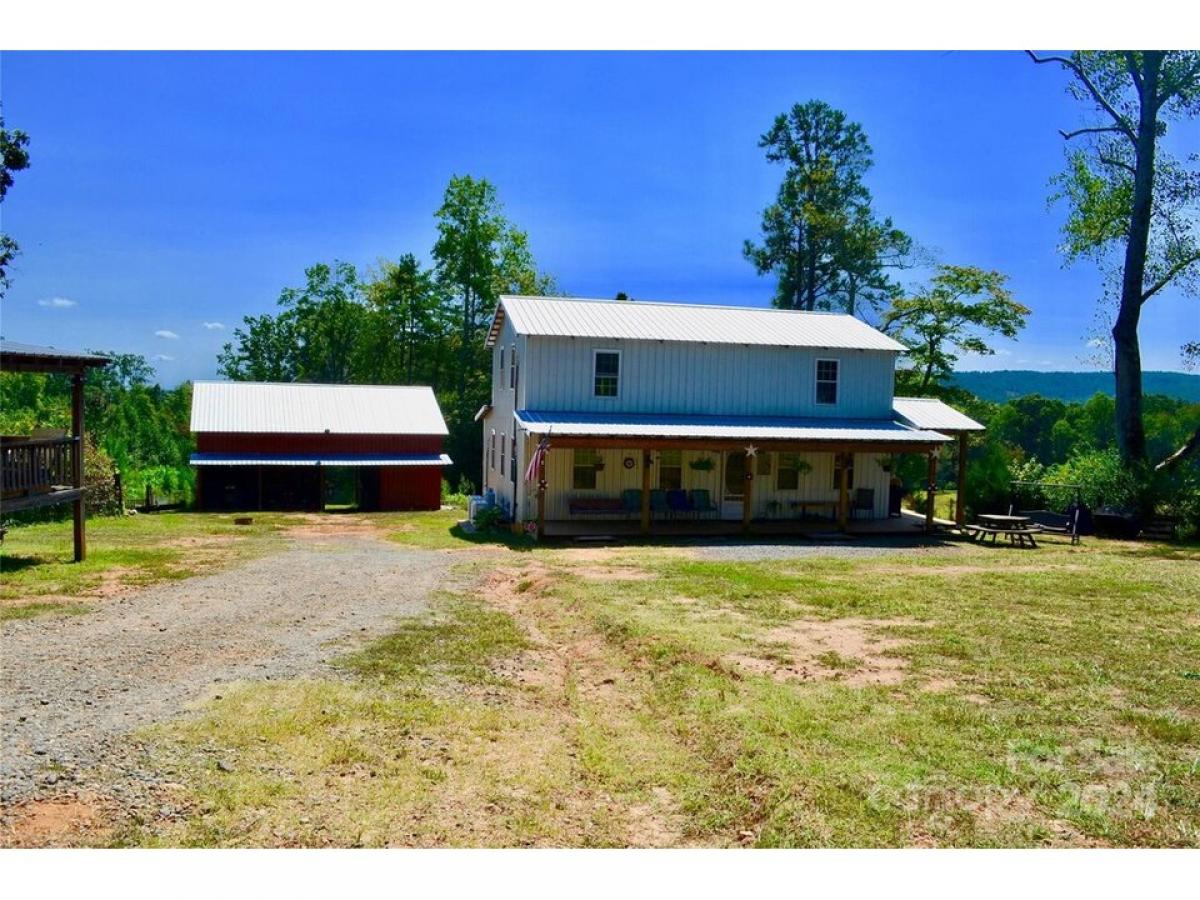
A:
{"points": [[1071, 387]]}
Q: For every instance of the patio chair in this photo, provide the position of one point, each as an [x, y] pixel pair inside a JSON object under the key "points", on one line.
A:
{"points": [[631, 501], [702, 504], [658, 503], [864, 501], [677, 502]]}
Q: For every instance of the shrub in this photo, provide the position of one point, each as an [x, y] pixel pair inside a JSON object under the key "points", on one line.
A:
{"points": [[488, 517], [1102, 481]]}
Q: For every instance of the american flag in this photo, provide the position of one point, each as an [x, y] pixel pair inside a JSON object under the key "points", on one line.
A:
{"points": [[535, 461]]}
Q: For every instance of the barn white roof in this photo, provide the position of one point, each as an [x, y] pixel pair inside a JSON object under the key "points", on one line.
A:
{"points": [[643, 321], [927, 412], [356, 460], [271, 408], [735, 428]]}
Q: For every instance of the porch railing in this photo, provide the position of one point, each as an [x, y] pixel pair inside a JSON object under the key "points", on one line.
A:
{"points": [[36, 466]]}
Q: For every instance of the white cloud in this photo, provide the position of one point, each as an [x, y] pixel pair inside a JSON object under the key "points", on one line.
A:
{"points": [[214, 326], [162, 357], [167, 335], [1000, 351], [57, 303], [1097, 342]]}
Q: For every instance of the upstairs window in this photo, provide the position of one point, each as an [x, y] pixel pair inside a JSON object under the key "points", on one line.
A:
{"points": [[670, 470], [827, 382], [492, 451], [503, 445], [512, 367], [583, 476], [502, 363], [606, 373]]}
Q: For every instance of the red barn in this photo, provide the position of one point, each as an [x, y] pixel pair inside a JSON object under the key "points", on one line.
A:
{"points": [[270, 446]]}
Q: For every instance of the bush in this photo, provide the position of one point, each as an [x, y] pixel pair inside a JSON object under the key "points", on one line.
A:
{"points": [[488, 518], [99, 482], [1102, 481]]}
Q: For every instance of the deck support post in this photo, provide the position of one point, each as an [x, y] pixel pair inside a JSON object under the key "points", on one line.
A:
{"points": [[931, 491], [748, 494], [843, 491], [645, 525], [960, 507], [77, 467], [541, 497]]}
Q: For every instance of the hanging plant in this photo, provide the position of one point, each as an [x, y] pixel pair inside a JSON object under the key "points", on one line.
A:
{"points": [[803, 467], [701, 464]]}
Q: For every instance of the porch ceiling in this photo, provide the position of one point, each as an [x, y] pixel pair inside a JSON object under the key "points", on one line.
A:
{"points": [[629, 429]]}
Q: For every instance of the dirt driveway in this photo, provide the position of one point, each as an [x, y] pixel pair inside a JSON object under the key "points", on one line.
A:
{"points": [[72, 688]]}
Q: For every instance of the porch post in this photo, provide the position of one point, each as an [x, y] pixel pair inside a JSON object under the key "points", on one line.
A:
{"points": [[541, 497], [748, 494], [645, 492], [843, 491], [77, 467], [960, 509], [931, 491]]}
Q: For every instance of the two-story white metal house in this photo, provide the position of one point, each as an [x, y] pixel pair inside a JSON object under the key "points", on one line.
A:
{"points": [[649, 412]]}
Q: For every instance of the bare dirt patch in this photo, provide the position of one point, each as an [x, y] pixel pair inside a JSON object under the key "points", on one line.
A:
{"points": [[56, 822], [851, 651], [324, 525]]}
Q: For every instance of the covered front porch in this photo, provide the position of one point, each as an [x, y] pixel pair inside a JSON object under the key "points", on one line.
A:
{"points": [[908, 524]]}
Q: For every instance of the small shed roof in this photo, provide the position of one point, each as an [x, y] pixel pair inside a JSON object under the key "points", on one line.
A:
{"points": [[928, 412], [18, 357], [258, 407], [737, 428], [643, 321]]}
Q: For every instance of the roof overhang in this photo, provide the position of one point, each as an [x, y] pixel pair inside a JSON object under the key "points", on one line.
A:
{"points": [[321, 459], [934, 415], [768, 432], [497, 324], [15, 357]]}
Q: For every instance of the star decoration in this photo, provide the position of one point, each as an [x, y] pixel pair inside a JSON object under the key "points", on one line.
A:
{"points": [[752, 450]]}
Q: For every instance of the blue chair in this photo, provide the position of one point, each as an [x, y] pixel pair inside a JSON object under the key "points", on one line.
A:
{"points": [[631, 501], [677, 502], [702, 504], [658, 503]]}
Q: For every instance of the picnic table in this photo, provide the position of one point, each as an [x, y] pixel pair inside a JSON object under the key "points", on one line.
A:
{"points": [[1016, 529]]}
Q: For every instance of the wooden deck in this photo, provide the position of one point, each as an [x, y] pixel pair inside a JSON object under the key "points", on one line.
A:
{"points": [[909, 523]]}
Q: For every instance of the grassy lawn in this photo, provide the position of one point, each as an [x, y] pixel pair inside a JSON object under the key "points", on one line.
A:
{"points": [[39, 574], [973, 696]]}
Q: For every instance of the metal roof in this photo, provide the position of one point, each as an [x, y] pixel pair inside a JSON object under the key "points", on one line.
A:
{"points": [[269, 408], [15, 348], [641, 321], [323, 459], [738, 428], [927, 412]]}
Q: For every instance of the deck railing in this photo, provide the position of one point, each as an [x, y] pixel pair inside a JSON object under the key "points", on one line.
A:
{"points": [[36, 466]]}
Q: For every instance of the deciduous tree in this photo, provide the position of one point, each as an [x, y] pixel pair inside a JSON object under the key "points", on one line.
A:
{"points": [[14, 156]]}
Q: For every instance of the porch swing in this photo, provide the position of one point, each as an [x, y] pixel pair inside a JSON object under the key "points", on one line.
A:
{"points": [[1073, 521]]}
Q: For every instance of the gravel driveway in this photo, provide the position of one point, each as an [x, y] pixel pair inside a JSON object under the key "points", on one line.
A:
{"points": [[72, 687]]}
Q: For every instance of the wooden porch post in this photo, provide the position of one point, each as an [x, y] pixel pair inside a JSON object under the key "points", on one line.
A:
{"points": [[541, 498], [645, 492], [748, 494], [843, 491], [931, 492], [77, 473], [960, 508]]}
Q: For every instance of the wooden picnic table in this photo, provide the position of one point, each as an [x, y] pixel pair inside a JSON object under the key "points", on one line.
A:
{"points": [[1016, 529]]}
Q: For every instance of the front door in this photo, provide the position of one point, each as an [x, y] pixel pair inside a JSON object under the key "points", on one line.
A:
{"points": [[733, 485]]}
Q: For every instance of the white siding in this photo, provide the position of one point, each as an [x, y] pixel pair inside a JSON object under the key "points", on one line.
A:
{"points": [[690, 378], [501, 419], [816, 484]]}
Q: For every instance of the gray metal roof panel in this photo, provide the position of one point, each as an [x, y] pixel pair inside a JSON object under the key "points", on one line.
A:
{"points": [[691, 323], [295, 408], [928, 412]]}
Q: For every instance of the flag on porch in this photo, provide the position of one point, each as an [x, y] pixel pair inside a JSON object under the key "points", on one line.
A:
{"points": [[535, 461]]}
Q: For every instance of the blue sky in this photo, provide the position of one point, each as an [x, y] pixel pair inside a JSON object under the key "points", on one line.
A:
{"points": [[168, 191]]}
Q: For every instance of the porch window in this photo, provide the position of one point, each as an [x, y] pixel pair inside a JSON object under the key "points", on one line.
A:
{"points": [[584, 470], [827, 382], [670, 470], [763, 466], [787, 476], [606, 373], [837, 471]]}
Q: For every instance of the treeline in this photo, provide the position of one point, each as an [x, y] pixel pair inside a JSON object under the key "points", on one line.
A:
{"points": [[403, 322]]}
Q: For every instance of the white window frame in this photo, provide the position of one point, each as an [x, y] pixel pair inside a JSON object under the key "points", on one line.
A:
{"points": [[817, 382], [492, 452], [503, 451], [620, 372], [512, 367]]}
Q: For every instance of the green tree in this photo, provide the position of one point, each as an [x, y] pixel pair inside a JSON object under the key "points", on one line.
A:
{"points": [[1128, 201], [960, 310], [14, 156], [820, 237], [413, 322]]}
